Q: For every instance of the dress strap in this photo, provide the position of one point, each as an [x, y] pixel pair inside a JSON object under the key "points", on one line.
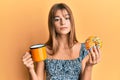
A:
{"points": [[83, 51]]}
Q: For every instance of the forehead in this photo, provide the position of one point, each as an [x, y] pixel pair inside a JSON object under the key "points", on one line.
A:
{"points": [[62, 12]]}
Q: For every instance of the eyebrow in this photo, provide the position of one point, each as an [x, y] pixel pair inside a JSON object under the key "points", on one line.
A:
{"points": [[64, 15]]}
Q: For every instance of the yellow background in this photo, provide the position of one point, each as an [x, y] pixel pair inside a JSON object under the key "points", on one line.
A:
{"points": [[24, 22]]}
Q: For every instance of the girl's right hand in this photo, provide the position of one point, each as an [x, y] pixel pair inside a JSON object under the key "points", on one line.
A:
{"points": [[27, 61]]}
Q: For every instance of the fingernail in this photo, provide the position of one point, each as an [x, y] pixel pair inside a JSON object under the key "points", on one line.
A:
{"points": [[94, 46], [91, 48]]}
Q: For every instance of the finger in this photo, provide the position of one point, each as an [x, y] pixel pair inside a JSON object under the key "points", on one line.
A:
{"points": [[27, 62], [27, 57], [98, 49], [96, 53], [99, 53], [31, 63], [92, 54], [90, 59], [26, 54]]}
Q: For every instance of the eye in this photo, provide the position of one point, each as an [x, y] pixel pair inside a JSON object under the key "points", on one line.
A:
{"points": [[67, 18], [56, 19]]}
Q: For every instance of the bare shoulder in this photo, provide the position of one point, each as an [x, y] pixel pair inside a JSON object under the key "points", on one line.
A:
{"points": [[77, 46], [76, 49]]}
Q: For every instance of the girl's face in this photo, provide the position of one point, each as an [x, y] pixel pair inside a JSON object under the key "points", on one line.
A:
{"points": [[62, 22]]}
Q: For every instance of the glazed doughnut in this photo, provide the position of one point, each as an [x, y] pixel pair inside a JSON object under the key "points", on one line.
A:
{"points": [[93, 40]]}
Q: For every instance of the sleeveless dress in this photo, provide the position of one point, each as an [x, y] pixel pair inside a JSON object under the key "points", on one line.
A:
{"points": [[65, 69]]}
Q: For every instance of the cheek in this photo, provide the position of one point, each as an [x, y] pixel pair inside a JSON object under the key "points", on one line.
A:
{"points": [[56, 24], [57, 29], [68, 23], [69, 28]]}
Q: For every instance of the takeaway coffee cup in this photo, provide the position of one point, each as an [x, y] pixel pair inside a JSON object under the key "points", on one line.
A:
{"points": [[38, 52]]}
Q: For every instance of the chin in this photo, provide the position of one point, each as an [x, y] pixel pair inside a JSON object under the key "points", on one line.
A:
{"points": [[65, 33]]}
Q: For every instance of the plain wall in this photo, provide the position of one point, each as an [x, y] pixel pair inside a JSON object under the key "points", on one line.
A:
{"points": [[24, 23]]}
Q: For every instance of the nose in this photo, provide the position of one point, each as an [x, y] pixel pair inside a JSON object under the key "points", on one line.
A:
{"points": [[63, 21]]}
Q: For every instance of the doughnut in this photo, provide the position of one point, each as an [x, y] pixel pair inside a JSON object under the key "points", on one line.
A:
{"points": [[93, 41]]}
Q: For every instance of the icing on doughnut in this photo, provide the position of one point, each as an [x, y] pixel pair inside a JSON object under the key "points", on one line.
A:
{"points": [[93, 40]]}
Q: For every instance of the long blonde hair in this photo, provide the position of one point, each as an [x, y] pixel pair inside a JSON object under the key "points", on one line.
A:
{"points": [[52, 41]]}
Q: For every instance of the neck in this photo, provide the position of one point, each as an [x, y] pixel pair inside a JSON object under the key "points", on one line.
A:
{"points": [[63, 41]]}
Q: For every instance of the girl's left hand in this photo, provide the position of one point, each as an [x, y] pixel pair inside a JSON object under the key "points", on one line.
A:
{"points": [[94, 56]]}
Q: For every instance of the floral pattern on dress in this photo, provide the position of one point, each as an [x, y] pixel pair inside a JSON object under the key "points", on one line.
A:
{"points": [[65, 69]]}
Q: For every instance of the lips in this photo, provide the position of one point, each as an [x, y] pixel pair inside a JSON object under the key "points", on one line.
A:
{"points": [[63, 28]]}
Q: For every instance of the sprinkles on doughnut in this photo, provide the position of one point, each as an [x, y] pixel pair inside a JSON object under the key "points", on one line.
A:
{"points": [[93, 40]]}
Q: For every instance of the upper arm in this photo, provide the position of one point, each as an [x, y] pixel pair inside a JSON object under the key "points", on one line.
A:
{"points": [[84, 55], [84, 63], [40, 70]]}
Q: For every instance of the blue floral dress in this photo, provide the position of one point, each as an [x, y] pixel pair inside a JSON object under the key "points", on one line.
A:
{"points": [[65, 69]]}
